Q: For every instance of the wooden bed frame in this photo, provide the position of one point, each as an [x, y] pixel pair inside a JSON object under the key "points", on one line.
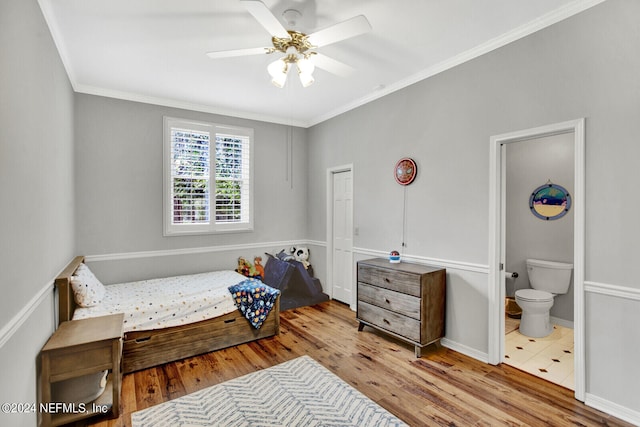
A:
{"points": [[144, 349]]}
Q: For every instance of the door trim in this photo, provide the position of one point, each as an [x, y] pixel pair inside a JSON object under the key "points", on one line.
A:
{"points": [[330, 172], [496, 288]]}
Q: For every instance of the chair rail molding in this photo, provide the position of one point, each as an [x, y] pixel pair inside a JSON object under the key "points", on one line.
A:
{"points": [[22, 316]]}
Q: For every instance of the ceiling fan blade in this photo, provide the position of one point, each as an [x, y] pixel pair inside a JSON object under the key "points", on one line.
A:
{"points": [[238, 52], [343, 30], [331, 65], [264, 16]]}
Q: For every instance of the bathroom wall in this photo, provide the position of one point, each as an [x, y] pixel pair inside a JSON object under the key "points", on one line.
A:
{"points": [[531, 164]]}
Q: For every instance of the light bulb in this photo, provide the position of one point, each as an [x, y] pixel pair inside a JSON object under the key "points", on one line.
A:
{"points": [[306, 79], [305, 66], [277, 68], [305, 71], [279, 81]]}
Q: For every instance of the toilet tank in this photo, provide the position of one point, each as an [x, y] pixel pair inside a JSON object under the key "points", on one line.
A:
{"points": [[550, 276]]}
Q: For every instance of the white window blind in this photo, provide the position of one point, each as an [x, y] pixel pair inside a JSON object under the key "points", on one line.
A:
{"points": [[190, 181], [207, 187], [232, 178]]}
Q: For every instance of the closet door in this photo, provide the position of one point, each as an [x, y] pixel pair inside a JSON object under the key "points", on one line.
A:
{"points": [[342, 235]]}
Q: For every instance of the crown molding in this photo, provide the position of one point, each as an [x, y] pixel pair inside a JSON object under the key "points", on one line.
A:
{"points": [[529, 28], [173, 103]]}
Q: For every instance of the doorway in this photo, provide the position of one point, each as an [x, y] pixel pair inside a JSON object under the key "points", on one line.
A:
{"points": [[542, 166], [340, 233], [497, 241]]}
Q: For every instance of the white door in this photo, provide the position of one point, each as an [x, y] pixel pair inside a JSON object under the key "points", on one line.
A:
{"points": [[342, 236]]}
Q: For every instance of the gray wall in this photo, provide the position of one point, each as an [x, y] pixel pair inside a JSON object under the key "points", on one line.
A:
{"points": [[531, 164], [119, 166], [586, 66], [36, 174]]}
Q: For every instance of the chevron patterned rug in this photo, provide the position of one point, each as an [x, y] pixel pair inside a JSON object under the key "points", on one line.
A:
{"points": [[300, 392]]}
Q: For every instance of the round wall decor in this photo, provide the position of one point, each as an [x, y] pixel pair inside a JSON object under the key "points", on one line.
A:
{"points": [[405, 171], [550, 201]]}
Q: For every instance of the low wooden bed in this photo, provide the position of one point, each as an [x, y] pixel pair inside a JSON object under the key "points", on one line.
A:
{"points": [[144, 349]]}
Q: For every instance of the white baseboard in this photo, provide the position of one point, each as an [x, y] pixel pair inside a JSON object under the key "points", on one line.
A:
{"points": [[561, 322], [614, 409], [467, 351]]}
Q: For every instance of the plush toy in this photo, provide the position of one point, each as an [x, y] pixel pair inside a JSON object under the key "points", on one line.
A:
{"points": [[245, 268], [301, 254], [257, 265], [283, 255]]}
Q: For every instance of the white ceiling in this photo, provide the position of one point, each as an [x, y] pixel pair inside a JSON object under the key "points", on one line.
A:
{"points": [[154, 50]]}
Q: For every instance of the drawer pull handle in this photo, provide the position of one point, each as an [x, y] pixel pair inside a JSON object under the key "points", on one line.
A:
{"points": [[386, 321], [387, 301], [386, 279], [229, 320], [143, 339]]}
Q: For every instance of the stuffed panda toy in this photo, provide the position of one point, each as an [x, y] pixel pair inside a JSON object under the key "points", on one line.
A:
{"points": [[301, 254]]}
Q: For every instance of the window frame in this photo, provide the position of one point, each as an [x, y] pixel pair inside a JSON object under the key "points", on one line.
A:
{"points": [[170, 229]]}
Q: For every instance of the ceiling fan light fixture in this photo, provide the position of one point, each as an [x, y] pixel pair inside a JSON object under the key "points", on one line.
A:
{"points": [[306, 79], [305, 65], [298, 47], [305, 71], [277, 68], [279, 81]]}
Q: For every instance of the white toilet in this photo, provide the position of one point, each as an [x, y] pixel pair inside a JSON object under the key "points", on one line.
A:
{"points": [[547, 279]]}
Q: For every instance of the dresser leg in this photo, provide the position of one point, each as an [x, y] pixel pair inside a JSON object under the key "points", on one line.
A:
{"points": [[360, 327], [418, 351]]}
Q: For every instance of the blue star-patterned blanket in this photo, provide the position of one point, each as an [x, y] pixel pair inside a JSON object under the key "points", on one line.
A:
{"points": [[254, 299]]}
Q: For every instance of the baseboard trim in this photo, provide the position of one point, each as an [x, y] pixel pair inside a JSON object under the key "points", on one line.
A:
{"points": [[445, 263], [614, 409], [561, 322], [463, 349], [7, 332]]}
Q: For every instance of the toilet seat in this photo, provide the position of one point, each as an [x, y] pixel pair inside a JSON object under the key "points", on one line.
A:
{"points": [[534, 295]]}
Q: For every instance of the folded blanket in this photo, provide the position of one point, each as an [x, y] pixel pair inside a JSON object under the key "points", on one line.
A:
{"points": [[254, 299]]}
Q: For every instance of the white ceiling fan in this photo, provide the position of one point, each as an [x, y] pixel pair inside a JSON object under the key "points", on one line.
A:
{"points": [[299, 48]]}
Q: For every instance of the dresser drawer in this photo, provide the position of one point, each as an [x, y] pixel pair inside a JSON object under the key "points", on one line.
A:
{"points": [[66, 363], [407, 305], [385, 319], [401, 281]]}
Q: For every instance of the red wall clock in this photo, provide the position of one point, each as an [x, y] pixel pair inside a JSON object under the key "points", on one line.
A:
{"points": [[405, 171]]}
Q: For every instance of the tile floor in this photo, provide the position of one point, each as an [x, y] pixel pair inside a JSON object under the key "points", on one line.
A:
{"points": [[550, 357]]}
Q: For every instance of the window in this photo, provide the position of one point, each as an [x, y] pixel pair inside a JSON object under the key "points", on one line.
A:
{"points": [[207, 183]]}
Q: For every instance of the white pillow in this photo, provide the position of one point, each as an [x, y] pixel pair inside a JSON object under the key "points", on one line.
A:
{"points": [[87, 289]]}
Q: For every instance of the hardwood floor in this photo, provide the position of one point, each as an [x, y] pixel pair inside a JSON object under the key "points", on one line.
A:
{"points": [[441, 388]]}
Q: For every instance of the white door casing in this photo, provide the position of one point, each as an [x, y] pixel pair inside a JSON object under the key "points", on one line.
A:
{"points": [[496, 291]]}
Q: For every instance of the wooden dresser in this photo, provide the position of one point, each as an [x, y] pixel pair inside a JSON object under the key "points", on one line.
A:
{"points": [[404, 300]]}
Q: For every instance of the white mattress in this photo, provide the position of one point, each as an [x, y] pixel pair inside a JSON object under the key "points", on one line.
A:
{"points": [[166, 302]]}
